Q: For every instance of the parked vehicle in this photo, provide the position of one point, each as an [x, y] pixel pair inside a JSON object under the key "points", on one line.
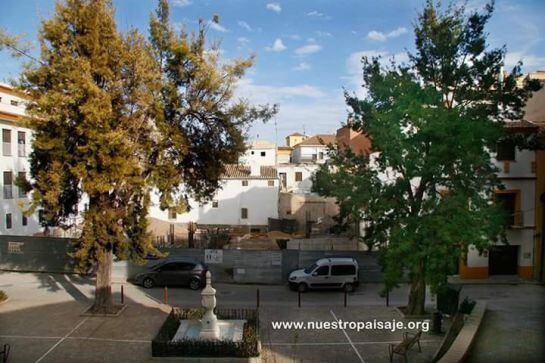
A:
{"points": [[173, 272], [333, 272]]}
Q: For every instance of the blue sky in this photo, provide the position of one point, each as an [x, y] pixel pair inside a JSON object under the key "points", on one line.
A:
{"points": [[307, 50]]}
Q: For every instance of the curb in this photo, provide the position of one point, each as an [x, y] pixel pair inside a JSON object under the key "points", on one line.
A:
{"points": [[461, 345]]}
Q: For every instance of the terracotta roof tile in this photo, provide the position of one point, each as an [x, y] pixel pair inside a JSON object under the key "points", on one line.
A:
{"points": [[236, 171], [317, 140]]}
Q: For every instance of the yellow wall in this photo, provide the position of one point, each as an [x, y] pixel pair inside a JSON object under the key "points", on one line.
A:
{"points": [[293, 140]]}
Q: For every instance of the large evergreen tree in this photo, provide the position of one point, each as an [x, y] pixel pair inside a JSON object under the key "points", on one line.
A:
{"points": [[114, 118], [426, 193]]}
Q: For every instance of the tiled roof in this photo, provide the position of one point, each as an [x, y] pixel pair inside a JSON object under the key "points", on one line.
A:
{"points": [[235, 171], [262, 144], [520, 124], [296, 134], [318, 140]]}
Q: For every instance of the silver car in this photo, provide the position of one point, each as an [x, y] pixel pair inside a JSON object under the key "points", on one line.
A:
{"points": [[333, 272]]}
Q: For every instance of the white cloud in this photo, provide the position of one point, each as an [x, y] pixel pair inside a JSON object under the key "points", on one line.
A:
{"points": [[311, 40], [324, 34], [302, 67], [274, 7], [275, 94], [378, 36], [354, 66], [181, 3], [295, 37], [217, 27], [243, 40], [315, 13], [244, 25], [529, 61], [397, 32], [308, 49], [278, 46], [382, 37], [319, 111]]}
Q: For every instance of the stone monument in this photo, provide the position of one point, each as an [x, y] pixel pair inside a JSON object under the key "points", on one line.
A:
{"points": [[209, 327]]}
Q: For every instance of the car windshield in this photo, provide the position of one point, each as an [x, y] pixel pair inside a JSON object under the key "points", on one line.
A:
{"points": [[310, 268]]}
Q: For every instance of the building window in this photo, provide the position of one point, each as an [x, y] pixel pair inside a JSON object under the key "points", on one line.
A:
{"points": [[298, 176], [21, 176], [505, 151], [244, 213], [25, 220], [6, 142], [8, 220], [253, 152], [321, 155], [271, 183], [8, 185], [509, 201], [172, 213], [41, 216], [245, 183], [21, 144], [263, 153], [214, 204], [314, 157], [14, 103]]}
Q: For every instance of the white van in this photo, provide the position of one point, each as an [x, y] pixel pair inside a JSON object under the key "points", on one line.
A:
{"points": [[332, 272]]}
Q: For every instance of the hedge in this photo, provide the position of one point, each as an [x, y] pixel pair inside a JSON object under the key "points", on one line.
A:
{"points": [[162, 345]]}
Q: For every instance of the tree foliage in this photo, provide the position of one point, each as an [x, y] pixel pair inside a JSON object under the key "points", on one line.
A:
{"points": [[426, 192], [116, 117]]}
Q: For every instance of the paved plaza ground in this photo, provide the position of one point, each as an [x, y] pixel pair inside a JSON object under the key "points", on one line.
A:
{"points": [[42, 322]]}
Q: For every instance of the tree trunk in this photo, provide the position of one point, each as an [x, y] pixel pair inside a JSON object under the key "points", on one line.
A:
{"points": [[417, 296], [103, 289]]}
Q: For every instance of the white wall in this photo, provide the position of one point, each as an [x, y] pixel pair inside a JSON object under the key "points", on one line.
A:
{"points": [[304, 153], [307, 170], [15, 164], [256, 156], [258, 197]]}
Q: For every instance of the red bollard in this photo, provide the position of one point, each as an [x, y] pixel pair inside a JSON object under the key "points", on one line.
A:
{"points": [[122, 295], [166, 296]]}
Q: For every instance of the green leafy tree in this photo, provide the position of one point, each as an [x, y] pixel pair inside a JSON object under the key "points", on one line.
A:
{"points": [[426, 192], [115, 118]]}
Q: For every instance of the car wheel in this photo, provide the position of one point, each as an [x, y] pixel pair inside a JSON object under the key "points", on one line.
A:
{"points": [[195, 284], [148, 283], [349, 287], [302, 287]]}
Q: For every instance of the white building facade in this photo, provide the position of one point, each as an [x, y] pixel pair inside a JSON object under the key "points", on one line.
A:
{"points": [[313, 149], [248, 197], [16, 147]]}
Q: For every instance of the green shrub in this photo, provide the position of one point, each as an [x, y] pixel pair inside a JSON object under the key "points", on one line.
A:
{"points": [[3, 296], [466, 307], [162, 346]]}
